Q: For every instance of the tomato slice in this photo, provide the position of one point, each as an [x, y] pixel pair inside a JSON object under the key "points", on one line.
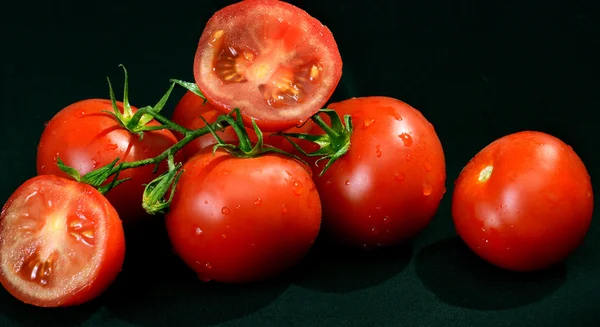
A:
{"points": [[61, 242], [270, 59]]}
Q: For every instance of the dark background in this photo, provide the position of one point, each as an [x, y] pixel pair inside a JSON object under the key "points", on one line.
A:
{"points": [[477, 70]]}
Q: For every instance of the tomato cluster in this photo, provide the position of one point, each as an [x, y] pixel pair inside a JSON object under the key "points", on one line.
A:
{"points": [[250, 171]]}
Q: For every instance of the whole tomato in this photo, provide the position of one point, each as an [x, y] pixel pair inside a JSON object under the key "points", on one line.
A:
{"points": [[524, 202], [239, 220], [86, 137], [389, 184]]}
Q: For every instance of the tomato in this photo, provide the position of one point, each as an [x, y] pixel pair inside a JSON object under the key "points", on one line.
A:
{"points": [[389, 184], [187, 114], [239, 220], [270, 59], [524, 202], [61, 242], [86, 138]]}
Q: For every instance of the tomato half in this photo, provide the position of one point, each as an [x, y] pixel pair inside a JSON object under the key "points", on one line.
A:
{"points": [[524, 202], [238, 220], [61, 242], [86, 138], [270, 59], [187, 114], [388, 186]]}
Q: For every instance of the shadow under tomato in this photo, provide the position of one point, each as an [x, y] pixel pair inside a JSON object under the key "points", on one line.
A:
{"points": [[459, 277], [331, 268], [156, 288], [28, 315]]}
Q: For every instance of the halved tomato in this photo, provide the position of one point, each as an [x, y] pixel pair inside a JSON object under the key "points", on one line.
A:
{"points": [[270, 59], [61, 242]]}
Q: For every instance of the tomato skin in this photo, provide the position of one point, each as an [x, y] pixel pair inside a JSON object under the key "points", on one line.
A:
{"points": [[187, 114], [534, 209], [238, 220], [86, 138], [388, 186], [276, 47], [84, 199]]}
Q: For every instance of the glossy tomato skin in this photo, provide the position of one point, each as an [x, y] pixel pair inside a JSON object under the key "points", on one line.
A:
{"points": [[86, 138], [530, 208], [388, 186], [187, 114], [236, 220], [272, 60], [53, 213]]}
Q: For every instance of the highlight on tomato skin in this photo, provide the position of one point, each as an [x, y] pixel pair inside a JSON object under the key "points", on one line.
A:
{"points": [[524, 202], [187, 113], [61, 243], [271, 59]]}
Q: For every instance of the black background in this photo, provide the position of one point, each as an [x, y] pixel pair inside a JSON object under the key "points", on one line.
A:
{"points": [[477, 70]]}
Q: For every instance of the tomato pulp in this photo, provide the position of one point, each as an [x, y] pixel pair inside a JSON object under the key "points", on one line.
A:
{"points": [[389, 184], [524, 202], [61, 242], [240, 220], [86, 138], [270, 59]]}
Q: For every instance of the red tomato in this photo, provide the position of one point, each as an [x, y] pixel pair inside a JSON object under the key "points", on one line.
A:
{"points": [[86, 138], [388, 186], [61, 242], [241, 220], [270, 59], [187, 114], [524, 202]]}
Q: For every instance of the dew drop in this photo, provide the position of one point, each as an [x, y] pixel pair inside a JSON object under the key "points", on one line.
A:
{"points": [[224, 235], [296, 186], [205, 201], [378, 207], [226, 172], [374, 230], [208, 265], [487, 241], [368, 122], [46, 123], [111, 147], [80, 114], [258, 202], [199, 231], [288, 172], [238, 206], [94, 163], [284, 209], [408, 157], [427, 188], [378, 151], [406, 139], [43, 167], [386, 220], [347, 182], [399, 177], [225, 211], [393, 112], [427, 166]]}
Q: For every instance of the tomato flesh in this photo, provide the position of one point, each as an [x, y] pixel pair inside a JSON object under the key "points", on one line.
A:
{"points": [[61, 242], [524, 202], [270, 59], [239, 220]]}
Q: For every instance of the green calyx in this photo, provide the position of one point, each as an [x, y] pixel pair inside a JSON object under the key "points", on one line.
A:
{"points": [[95, 178], [333, 144], [154, 200]]}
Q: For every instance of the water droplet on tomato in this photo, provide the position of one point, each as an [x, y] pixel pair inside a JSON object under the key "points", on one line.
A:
{"points": [[393, 112], [43, 167], [378, 208], [94, 163], [386, 219], [288, 172], [296, 186], [487, 241], [238, 206], [408, 157], [378, 151], [205, 201], [427, 166], [258, 202], [427, 187], [284, 209], [224, 235], [374, 230], [225, 211], [399, 177], [208, 265], [368, 122], [80, 114], [406, 139], [199, 231], [226, 172], [347, 182], [111, 147]]}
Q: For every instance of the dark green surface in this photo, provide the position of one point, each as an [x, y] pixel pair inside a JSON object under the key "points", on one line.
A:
{"points": [[477, 71]]}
